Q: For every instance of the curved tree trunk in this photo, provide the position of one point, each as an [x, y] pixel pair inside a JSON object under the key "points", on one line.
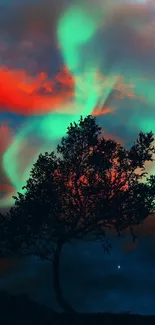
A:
{"points": [[56, 277]]}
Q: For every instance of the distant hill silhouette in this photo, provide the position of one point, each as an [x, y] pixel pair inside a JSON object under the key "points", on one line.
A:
{"points": [[21, 310]]}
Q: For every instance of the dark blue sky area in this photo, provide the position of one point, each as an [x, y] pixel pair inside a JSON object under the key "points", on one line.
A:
{"points": [[91, 281]]}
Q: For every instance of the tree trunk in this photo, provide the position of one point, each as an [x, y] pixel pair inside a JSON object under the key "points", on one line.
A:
{"points": [[56, 277]]}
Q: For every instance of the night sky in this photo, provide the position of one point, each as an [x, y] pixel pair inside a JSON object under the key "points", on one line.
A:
{"points": [[58, 60]]}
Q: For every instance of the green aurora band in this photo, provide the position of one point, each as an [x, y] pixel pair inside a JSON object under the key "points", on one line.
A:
{"points": [[75, 21], [76, 28]]}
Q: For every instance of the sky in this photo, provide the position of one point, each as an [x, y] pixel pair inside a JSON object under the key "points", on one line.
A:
{"points": [[62, 59]]}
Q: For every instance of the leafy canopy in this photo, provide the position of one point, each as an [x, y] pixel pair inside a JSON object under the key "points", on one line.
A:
{"points": [[91, 185]]}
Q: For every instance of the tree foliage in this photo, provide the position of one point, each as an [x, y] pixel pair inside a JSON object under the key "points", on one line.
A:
{"points": [[94, 185]]}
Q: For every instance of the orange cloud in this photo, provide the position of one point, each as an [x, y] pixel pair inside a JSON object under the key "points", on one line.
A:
{"points": [[19, 93], [26, 95]]}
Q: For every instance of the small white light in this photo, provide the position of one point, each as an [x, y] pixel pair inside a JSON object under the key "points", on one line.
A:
{"points": [[118, 266]]}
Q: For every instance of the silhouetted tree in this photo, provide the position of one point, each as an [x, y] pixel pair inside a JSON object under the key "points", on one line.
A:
{"points": [[92, 186]]}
